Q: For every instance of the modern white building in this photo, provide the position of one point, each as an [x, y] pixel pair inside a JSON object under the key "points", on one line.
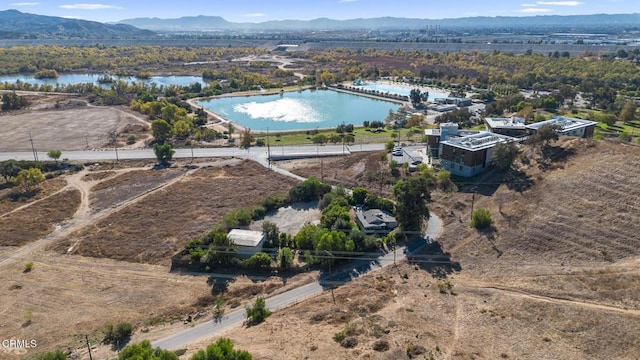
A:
{"points": [[512, 126], [470, 155], [248, 242], [567, 126]]}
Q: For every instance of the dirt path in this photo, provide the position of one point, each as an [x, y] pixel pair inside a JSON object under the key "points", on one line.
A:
{"points": [[83, 216], [499, 289]]}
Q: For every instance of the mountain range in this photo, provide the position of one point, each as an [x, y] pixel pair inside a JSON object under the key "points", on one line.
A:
{"points": [[216, 23], [17, 25]]}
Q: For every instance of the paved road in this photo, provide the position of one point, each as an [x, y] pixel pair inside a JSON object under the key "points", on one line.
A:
{"points": [[253, 152], [237, 317]]}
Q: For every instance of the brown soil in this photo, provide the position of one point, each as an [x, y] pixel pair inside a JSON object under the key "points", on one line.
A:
{"points": [[154, 228], [558, 276], [128, 185], [10, 196], [39, 219]]}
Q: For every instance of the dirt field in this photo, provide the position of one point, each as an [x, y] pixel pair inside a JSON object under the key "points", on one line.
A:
{"points": [[75, 129], [153, 228], [558, 277], [158, 211]]}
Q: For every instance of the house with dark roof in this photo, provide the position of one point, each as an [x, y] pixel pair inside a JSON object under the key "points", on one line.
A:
{"points": [[375, 221]]}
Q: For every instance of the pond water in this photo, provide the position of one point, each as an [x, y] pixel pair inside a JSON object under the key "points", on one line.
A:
{"points": [[404, 90], [73, 79], [299, 110]]}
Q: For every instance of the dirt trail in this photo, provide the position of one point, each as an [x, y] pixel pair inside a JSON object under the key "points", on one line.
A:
{"points": [[496, 288], [83, 216]]}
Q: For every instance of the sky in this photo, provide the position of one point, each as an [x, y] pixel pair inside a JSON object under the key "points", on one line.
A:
{"points": [[265, 10]]}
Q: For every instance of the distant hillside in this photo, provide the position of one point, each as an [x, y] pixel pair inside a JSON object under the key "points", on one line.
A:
{"points": [[17, 25], [216, 23]]}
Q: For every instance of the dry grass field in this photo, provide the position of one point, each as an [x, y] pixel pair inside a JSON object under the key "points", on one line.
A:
{"points": [[557, 277], [153, 228], [55, 129]]}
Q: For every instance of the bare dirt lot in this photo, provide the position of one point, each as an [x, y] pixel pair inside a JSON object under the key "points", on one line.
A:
{"points": [[557, 277], [66, 296], [80, 128]]}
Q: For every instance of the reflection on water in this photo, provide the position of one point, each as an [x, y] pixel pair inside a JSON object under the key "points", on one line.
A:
{"points": [[299, 110]]}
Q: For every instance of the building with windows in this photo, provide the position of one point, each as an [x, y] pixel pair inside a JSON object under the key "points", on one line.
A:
{"points": [[567, 126], [512, 126], [470, 155]]}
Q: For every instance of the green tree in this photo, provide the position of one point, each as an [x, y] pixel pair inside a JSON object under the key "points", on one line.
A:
{"points": [[258, 312], [54, 154], [222, 349], [245, 138], [12, 101], [285, 258], [120, 332], [504, 154], [221, 249], [415, 97], [544, 136], [28, 179], [272, 233], [182, 128], [9, 169], [411, 195], [144, 351], [259, 260], [481, 219], [628, 112], [359, 194], [164, 153], [161, 130]]}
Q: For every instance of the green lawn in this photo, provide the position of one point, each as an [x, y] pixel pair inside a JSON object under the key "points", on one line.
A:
{"points": [[362, 136]]}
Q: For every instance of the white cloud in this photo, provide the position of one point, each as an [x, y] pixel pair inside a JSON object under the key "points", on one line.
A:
{"points": [[26, 4], [347, 1], [89, 6], [560, 3], [533, 10], [529, 5], [254, 15]]}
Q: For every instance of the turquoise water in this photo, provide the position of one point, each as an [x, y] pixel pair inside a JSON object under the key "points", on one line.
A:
{"points": [[400, 90], [309, 109], [73, 79]]}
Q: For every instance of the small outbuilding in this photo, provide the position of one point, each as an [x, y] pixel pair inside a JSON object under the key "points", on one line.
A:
{"points": [[248, 242]]}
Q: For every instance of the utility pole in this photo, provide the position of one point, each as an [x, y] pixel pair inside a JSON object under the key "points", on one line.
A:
{"points": [[35, 154], [86, 337], [268, 149], [473, 200], [331, 277]]}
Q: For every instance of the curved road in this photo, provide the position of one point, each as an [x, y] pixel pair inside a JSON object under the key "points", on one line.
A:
{"points": [[236, 318]]}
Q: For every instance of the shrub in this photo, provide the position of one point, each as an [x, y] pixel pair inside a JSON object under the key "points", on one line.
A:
{"points": [[258, 312], [259, 260], [339, 336], [131, 139], [481, 219], [28, 267], [381, 345], [349, 342], [119, 332]]}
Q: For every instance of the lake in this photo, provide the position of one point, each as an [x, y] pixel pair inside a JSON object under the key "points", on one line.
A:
{"points": [[400, 90], [73, 79], [299, 110]]}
